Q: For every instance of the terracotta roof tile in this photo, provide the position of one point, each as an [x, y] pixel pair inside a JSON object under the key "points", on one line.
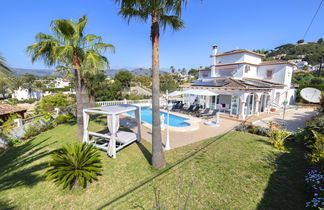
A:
{"points": [[8, 109]]}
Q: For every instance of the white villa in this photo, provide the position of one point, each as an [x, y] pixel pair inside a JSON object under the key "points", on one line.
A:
{"points": [[61, 83], [25, 94], [245, 84]]}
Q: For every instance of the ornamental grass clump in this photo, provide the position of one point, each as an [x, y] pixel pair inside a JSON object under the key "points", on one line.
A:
{"points": [[278, 137], [74, 165]]}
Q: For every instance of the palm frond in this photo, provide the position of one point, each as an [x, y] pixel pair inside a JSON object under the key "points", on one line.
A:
{"points": [[174, 21]]}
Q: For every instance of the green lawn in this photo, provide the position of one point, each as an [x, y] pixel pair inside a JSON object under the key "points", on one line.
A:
{"points": [[235, 171]]}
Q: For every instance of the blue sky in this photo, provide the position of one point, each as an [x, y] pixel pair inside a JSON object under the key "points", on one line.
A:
{"points": [[231, 24]]}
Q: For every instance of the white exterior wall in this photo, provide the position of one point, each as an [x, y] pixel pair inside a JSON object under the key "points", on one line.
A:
{"points": [[23, 94], [249, 58], [252, 73], [233, 58], [280, 73]]}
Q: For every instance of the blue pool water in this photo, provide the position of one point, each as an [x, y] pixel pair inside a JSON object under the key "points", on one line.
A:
{"points": [[175, 121]]}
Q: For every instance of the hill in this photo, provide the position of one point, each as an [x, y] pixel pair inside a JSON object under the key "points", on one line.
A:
{"points": [[312, 52]]}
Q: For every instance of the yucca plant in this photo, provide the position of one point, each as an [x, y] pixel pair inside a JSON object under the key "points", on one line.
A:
{"points": [[74, 165], [278, 137]]}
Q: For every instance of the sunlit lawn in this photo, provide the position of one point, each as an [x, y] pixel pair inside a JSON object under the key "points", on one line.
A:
{"points": [[235, 171]]}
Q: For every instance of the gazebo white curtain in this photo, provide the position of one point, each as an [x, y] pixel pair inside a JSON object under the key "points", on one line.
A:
{"points": [[113, 126]]}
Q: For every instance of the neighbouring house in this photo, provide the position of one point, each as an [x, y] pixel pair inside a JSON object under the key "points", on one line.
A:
{"points": [[25, 94], [61, 83], [245, 84], [6, 110]]}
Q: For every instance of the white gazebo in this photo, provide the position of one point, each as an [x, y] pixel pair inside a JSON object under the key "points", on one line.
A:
{"points": [[114, 140]]}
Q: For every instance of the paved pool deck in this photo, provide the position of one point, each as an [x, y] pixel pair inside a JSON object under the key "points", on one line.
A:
{"points": [[182, 138]]}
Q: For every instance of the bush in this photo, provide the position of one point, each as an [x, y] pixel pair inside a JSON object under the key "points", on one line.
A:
{"points": [[257, 130], [31, 131], [317, 149], [64, 118], [74, 165], [278, 137], [48, 103]]}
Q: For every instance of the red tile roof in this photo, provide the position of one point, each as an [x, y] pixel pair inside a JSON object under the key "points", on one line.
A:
{"points": [[10, 109]]}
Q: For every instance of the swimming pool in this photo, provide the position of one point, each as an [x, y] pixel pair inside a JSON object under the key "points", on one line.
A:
{"points": [[175, 121]]}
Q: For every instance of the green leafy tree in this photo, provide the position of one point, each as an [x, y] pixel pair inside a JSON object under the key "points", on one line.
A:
{"points": [[194, 73], [143, 80], [77, 52], [300, 41], [74, 165], [48, 103], [183, 71], [172, 69], [168, 82], [124, 77], [161, 13], [109, 91], [320, 41]]}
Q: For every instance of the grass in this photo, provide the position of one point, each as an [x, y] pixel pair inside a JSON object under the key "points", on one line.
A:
{"points": [[235, 171]]}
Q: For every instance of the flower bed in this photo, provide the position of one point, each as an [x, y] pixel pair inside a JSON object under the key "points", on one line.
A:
{"points": [[315, 180]]}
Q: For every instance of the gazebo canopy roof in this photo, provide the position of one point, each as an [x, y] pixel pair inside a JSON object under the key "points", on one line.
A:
{"points": [[113, 109]]}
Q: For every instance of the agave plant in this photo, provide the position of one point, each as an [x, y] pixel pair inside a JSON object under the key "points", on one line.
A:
{"points": [[74, 165]]}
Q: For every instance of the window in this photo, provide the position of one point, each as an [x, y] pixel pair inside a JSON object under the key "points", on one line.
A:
{"points": [[269, 74], [205, 74]]}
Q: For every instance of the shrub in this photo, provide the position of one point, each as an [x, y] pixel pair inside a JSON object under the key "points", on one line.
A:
{"points": [[74, 165], [64, 118], [258, 130], [31, 131], [317, 149], [278, 137], [48, 103]]}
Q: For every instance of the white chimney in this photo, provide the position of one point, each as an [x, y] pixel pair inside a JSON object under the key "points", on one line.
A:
{"points": [[213, 69]]}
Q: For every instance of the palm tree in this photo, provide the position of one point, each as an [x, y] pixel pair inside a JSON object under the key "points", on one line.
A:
{"points": [[4, 69], [74, 50], [161, 13]]}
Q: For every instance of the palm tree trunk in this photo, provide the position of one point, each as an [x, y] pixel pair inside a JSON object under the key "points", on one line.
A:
{"points": [[158, 160], [78, 91]]}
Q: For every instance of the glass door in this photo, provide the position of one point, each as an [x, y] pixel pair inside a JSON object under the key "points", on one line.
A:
{"points": [[235, 102]]}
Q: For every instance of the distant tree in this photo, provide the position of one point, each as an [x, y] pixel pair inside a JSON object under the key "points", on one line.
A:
{"points": [[262, 51], [109, 91], [194, 73], [302, 78], [172, 69], [300, 41], [183, 71], [143, 80], [168, 82], [4, 86], [124, 77], [320, 41]]}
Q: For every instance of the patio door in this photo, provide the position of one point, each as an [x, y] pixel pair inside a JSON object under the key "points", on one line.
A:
{"points": [[235, 103], [249, 108], [262, 103]]}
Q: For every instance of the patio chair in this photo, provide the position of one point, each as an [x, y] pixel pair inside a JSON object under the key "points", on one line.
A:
{"points": [[191, 107], [207, 116], [195, 110], [177, 109], [206, 111]]}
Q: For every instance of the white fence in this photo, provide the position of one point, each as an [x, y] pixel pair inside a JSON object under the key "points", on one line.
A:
{"points": [[108, 103]]}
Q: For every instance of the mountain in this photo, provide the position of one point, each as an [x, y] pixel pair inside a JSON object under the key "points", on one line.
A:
{"points": [[136, 72], [38, 72], [110, 73]]}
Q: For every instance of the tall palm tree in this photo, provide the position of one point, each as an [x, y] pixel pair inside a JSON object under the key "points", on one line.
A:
{"points": [[161, 13], [71, 48]]}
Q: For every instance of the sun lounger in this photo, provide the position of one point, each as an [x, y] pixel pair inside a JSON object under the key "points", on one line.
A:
{"points": [[206, 111], [210, 115], [195, 110], [189, 109]]}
